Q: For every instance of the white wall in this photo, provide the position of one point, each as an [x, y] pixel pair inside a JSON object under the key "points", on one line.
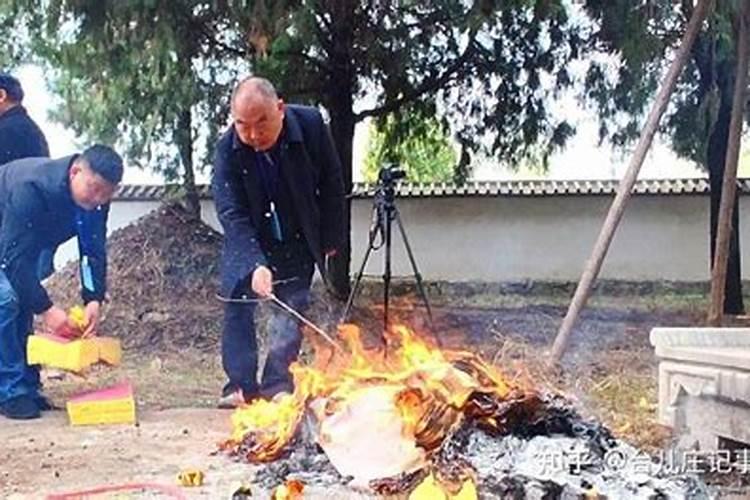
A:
{"points": [[547, 238], [515, 238]]}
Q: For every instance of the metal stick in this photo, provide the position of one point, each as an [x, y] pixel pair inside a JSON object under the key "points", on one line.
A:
{"points": [[306, 321], [230, 300]]}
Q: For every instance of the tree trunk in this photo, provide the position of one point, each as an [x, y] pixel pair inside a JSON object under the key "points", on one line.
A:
{"points": [[729, 201], [184, 139], [340, 103], [616, 211], [716, 158], [342, 129], [463, 167]]}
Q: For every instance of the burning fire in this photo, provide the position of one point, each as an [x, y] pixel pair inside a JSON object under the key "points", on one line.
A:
{"points": [[432, 489], [420, 391]]}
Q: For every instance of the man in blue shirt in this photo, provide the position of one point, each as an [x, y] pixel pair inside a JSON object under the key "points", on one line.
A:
{"points": [[44, 203], [279, 195]]}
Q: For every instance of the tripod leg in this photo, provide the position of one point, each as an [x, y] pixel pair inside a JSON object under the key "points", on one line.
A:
{"points": [[358, 280], [417, 275], [387, 274]]}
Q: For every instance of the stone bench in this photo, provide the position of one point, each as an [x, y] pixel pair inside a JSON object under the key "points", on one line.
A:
{"points": [[704, 385]]}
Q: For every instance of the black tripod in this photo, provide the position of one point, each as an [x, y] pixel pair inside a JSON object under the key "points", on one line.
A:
{"points": [[384, 212]]}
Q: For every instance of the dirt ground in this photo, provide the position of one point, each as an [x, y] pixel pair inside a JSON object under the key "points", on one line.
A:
{"points": [[163, 307], [610, 375], [57, 459]]}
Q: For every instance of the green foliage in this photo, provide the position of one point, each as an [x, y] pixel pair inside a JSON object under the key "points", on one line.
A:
{"points": [[8, 56], [644, 36], [489, 69], [418, 144], [136, 73], [15, 23], [131, 70]]}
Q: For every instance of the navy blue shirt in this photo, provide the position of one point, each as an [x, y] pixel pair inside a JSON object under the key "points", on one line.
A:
{"points": [[281, 222], [311, 188], [37, 212], [20, 137]]}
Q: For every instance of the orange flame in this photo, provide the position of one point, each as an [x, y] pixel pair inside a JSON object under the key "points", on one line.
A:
{"points": [[432, 489], [432, 390], [290, 490]]}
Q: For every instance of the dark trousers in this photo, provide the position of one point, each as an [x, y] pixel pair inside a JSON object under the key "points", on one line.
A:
{"points": [[17, 378], [239, 347]]}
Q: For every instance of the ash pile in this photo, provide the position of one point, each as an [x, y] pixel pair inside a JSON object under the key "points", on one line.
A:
{"points": [[422, 423]]}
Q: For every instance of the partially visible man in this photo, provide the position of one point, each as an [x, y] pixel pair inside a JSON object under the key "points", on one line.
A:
{"points": [[44, 203], [279, 195], [20, 137]]}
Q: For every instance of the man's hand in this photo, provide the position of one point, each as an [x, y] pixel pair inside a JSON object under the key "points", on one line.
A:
{"points": [[56, 322], [262, 282], [91, 314]]}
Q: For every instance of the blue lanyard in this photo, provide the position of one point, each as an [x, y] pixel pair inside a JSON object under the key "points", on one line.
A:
{"points": [[83, 222], [83, 230], [269, 173]]}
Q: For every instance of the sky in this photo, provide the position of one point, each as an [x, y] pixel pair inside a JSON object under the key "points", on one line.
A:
{"points": [[583, 158]]}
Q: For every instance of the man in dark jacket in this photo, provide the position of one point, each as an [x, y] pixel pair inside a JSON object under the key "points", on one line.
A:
{"points": [[279, 195], [20, 137], [43, 203]]}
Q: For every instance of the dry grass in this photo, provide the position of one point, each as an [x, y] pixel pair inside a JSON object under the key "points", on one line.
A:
{"points": [[620, 390], [188, 379], [626, 400]]}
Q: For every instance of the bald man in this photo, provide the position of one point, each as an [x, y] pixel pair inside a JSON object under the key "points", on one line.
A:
{"points": [[279, 194]]}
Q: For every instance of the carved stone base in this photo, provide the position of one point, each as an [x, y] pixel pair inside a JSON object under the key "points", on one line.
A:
{"points": [[704, 384]]}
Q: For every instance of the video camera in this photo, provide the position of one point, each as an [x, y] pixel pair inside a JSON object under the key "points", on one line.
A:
{"points": [[390, 173]]}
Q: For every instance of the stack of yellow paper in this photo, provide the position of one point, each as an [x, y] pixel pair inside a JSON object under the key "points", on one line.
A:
{"points": [[72, 354], [114, 405], [60, 352]]}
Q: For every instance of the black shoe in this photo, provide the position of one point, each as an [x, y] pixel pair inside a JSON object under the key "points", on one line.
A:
{"points": [[45, 404], [20, 408]]}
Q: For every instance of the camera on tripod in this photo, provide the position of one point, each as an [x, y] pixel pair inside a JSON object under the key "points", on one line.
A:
{"points": [[384, 212], [390, 173]]}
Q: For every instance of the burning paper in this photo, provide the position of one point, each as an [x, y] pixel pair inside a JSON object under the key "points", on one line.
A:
{"points": [[436, 425], [431, 489], [367, 438], [375, 416]]}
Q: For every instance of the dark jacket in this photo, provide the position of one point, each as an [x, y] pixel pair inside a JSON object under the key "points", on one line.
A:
{"points": [[20, 137], [37, 211], [310, 167]]}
